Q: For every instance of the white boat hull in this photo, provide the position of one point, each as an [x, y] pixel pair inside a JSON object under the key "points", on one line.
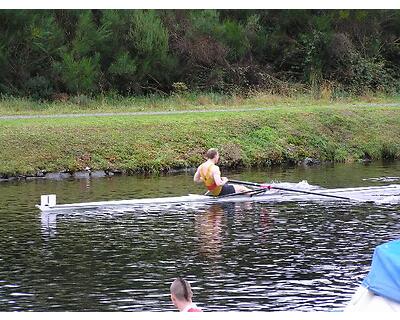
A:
{"points": [[148, 201], [362, 194]]}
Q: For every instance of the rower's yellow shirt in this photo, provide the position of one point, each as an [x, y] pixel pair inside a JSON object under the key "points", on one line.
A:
{"points": [[206, 173]]}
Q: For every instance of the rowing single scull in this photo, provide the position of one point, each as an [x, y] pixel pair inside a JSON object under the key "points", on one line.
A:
{"points": [[369, 194]]}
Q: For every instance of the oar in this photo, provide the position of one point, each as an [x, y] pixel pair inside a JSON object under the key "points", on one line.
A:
{"points": [[246, 183]]}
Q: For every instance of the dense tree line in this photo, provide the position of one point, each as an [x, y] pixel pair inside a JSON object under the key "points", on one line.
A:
{"points": [[44, 53]]}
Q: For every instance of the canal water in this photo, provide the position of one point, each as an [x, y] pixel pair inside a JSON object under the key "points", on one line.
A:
{"points": [[286, 256]]}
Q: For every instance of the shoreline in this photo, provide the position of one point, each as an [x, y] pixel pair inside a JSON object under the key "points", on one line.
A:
{"points": [[88, 174]]}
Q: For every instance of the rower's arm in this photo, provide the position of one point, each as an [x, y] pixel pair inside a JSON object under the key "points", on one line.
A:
{"points": [[217, 177], [197, 177]]}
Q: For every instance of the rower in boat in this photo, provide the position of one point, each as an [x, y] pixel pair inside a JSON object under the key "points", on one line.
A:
{"points": [[210, 174]]}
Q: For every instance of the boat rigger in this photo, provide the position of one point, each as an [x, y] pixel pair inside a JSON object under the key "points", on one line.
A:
{"points": [[275, 193]]}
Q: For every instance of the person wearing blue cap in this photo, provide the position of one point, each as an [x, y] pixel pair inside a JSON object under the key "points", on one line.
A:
{"points": [[380, 290]]}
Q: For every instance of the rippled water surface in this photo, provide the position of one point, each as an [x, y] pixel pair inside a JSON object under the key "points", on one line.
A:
{"points": [[299, 256]]}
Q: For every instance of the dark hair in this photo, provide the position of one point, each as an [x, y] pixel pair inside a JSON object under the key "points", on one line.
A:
{"points": [[181, 289], [185, 288], [211, 153]]}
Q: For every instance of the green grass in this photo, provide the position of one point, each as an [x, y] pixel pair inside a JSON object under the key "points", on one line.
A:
{"points": [[154, 143], [187, 101]]}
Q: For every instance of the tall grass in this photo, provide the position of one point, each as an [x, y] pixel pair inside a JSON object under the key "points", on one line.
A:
{"points": [[183, 101]]}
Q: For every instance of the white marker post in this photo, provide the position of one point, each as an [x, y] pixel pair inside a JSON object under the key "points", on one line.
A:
{"points": [[48, 200]]}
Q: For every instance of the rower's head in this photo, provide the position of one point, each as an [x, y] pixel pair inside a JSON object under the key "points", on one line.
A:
{"points": [[181, 293], [213, 154]]}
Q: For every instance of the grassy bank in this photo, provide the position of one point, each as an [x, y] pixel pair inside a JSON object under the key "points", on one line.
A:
{"points": [[161, 142]]}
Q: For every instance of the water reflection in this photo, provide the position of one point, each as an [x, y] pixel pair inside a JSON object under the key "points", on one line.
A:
{"points": [[212, 225], [208, 227], [266, 222], [48, 223]]}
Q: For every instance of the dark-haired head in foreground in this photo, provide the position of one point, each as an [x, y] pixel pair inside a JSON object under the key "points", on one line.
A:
{"points": [[181, 296]]}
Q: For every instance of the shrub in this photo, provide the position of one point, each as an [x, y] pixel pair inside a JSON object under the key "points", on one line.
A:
{"points": [[39, 88], [79, 75]]}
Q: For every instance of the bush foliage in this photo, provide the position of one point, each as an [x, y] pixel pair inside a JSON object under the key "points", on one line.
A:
{"points": [[90, 52]]}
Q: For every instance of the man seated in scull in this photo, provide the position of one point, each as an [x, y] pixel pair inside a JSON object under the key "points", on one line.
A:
{"points": [[210, 174]]}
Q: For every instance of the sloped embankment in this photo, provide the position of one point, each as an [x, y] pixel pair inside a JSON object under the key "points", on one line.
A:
{"points": [[151, 143]]}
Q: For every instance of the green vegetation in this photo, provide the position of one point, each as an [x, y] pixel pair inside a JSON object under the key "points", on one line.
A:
{"points": [[56, 55], [162, 142], [323, 76], [181, 102]]}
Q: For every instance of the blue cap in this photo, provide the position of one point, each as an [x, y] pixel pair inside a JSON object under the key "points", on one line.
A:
{"points": [[384, 276]]}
